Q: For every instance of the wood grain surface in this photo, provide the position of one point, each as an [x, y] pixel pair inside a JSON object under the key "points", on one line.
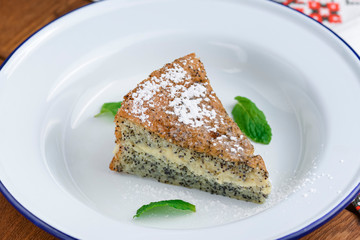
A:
{"points": [[18, 20]]}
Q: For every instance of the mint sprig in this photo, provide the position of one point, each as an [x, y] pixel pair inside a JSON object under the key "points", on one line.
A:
{"points": [[177, 204], [251, 120], [110, 107]]}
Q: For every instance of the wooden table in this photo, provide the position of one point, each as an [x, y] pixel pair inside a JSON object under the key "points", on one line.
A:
{"points": [[21, 18]]}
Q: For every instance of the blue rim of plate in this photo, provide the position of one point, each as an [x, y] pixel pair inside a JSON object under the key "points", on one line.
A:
{"points": [[295, 235]]}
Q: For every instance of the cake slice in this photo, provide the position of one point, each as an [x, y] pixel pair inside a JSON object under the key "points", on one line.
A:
{"points": [[172, 127]]}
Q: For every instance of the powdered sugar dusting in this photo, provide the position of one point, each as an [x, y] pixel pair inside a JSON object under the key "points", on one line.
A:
{"points": [[176, 74], [231, 143], [187, 98], [148, 89], [188, 108]]}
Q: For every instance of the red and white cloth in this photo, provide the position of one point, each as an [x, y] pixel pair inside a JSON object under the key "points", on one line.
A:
{"points": [[342, 16], [356, 203]]}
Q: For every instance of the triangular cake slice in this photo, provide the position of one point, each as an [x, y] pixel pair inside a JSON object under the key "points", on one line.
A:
{"points": [[172, 127]]}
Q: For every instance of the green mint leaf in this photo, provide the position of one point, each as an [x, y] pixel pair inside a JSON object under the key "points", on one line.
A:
{"points": [[111, 107], [178, 204], [251, 120]]}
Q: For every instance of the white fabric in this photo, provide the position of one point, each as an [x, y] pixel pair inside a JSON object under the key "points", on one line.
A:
{"points": [[350, 32]]}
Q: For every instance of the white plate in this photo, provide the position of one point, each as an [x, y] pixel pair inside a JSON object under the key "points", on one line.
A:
{"points": [[55, 154]]}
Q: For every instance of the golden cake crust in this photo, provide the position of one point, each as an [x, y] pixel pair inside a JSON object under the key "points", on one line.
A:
{"points": [[177, 103]]}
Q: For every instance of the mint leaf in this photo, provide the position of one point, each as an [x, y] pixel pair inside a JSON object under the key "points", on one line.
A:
{"points": [[178, 204], [251, 120], [111, 107]]}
